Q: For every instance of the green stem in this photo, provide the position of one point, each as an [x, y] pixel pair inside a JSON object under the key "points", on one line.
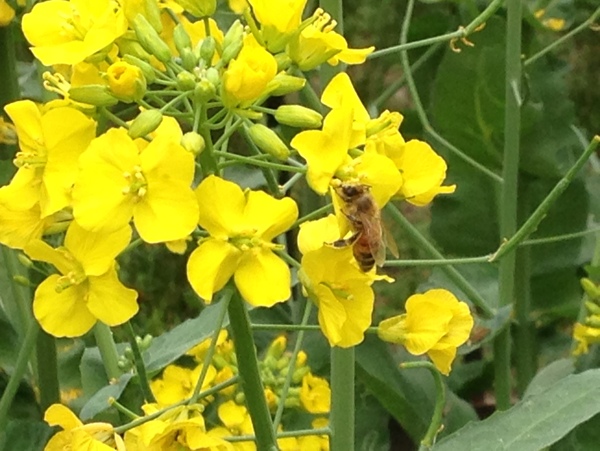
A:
{"points": [[108, 350], [113, 118], [562, 39], [538, 215], [8, 65], [15, 379], [312, 215], [341, 419], [410, 81], [508, 203], [444, 262], [140, 367], [251, 382], [291, 367], [47, 370], [259, 163], [452, 273], [440, 402], [213, 342], [462, 32], [283, 434], [563, 237], [207, 158], [228, 132], [268, 173], [19, 310]]}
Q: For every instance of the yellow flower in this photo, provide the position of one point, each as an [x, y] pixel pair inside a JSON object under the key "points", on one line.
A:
{"points": [[315, 394], [8, 132], [177, 383], [117, 182], [423, 171], [318, 43], [19, 227], [88, 289], [67, 32], [334, 282], [241, 227], [248, 75], [435, 323], [584, 336], [278, 20], [126, 82], [199, 351], [316, 442], [199, 8], [236, 421], [76, 435], [325, 150], [48, 156], [7, 14], [237, 6]]}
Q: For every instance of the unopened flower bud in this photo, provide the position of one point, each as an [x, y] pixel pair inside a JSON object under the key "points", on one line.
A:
{"points": [[277, 347], [232, 42], [207, 49], [146, 342], [22, 280], [268, 141], [97, 95], [298, 116], [283, 61], [188, 59], [204, 91], [590, 288], [213, 76], [145, 67], [24, 260], [193, 142], [186, 81], [301, 359], [284, 84], [240, 398], [126, 81], [146, 122], [592, 307], [299, 374], [593, 321], [181, 38], [150, 40]]}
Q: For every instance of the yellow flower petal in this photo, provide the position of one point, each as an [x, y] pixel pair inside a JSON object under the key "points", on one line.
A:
{"points": [[17, 228], [109, 300], [269, 216], [340, 92], [222, 205], [314, 234], [442, 357], [263, 278], [62, 314], [41, 251], [59, 415], [210, 266]]}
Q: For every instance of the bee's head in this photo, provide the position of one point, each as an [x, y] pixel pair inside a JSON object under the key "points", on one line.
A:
{"points": [[349, 192]]}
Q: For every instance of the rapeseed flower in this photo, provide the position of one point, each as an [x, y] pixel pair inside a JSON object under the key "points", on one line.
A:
{"points": [[435, 323], [87, 289], [315, 394], [241, 227], [278, 20], [7, 14], [117, 181]]}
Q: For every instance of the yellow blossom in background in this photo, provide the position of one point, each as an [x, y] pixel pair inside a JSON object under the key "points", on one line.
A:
{"points": [[584, 336], [247, 76], [117, 182], [237, 6], [552, 23], [88, 288], [315, 394], [241, 227], [47, 157], [278, 20], [435, 323], [19, 227], [315, 442], [236, 421], [8, 132], [78, 436], [7, 14], [178, 383], [67, 32]]}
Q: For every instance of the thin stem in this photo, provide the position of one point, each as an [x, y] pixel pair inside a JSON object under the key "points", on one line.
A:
{"points": [[140, 367], [410, 81], [108, 350], [291, 182], [452, 273], [444, 262], [259, 163], [558, 238], [509, 196], [292, 365], [286, 327], [229, 131], [251, 381], [213, 342], [440, 402], [47, 370], [562, 39], [538, 215], [19, 311], [461, 33], [11, 388], [283, 434], [113, 118], [312, 215]]}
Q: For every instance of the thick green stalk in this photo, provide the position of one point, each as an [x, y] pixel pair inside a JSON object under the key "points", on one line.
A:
{"points": [[508, 202], [18, 311], [47, 370], [250, 380], [15, 379], [108, 350]]}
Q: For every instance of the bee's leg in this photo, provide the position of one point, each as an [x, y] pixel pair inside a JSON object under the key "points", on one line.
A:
{"points": [[345, 242]]}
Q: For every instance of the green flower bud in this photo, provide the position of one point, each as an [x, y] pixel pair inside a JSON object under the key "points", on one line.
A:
{"points": [[146, 68], [204, 91], [299, 374], [268, 141], [131, 47], [146, 122], [232, 42], [593, 321], [22, 280], [298, 116], [283, 61], [24, 260], [181, 39], [592, 307], [152, 13], [239, 398], [98, 95], [193, 142], [284, 84], [277, 347], [150, 40], [188, 59], [186, 81], [207, 49], [146, 342], [213, 76], [590, 288], [292, 402]]}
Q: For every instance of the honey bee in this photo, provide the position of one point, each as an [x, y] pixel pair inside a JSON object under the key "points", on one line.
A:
{"points": [[364, 217]]}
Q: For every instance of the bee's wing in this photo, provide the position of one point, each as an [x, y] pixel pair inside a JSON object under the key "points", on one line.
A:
{"points": [[388, 239], [372, 227]]}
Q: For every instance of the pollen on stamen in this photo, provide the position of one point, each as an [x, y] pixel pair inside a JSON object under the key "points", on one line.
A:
{"points": [[126, 190], [142, 192]]}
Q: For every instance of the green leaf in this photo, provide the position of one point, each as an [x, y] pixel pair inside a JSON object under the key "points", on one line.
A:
{"points": [[25, 435], [536, 422], [100, 400], [408, 395], [170, 346], [549, 375]]}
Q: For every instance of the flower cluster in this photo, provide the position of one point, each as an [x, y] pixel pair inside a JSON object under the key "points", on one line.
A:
{"points": [[586, 332]]}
